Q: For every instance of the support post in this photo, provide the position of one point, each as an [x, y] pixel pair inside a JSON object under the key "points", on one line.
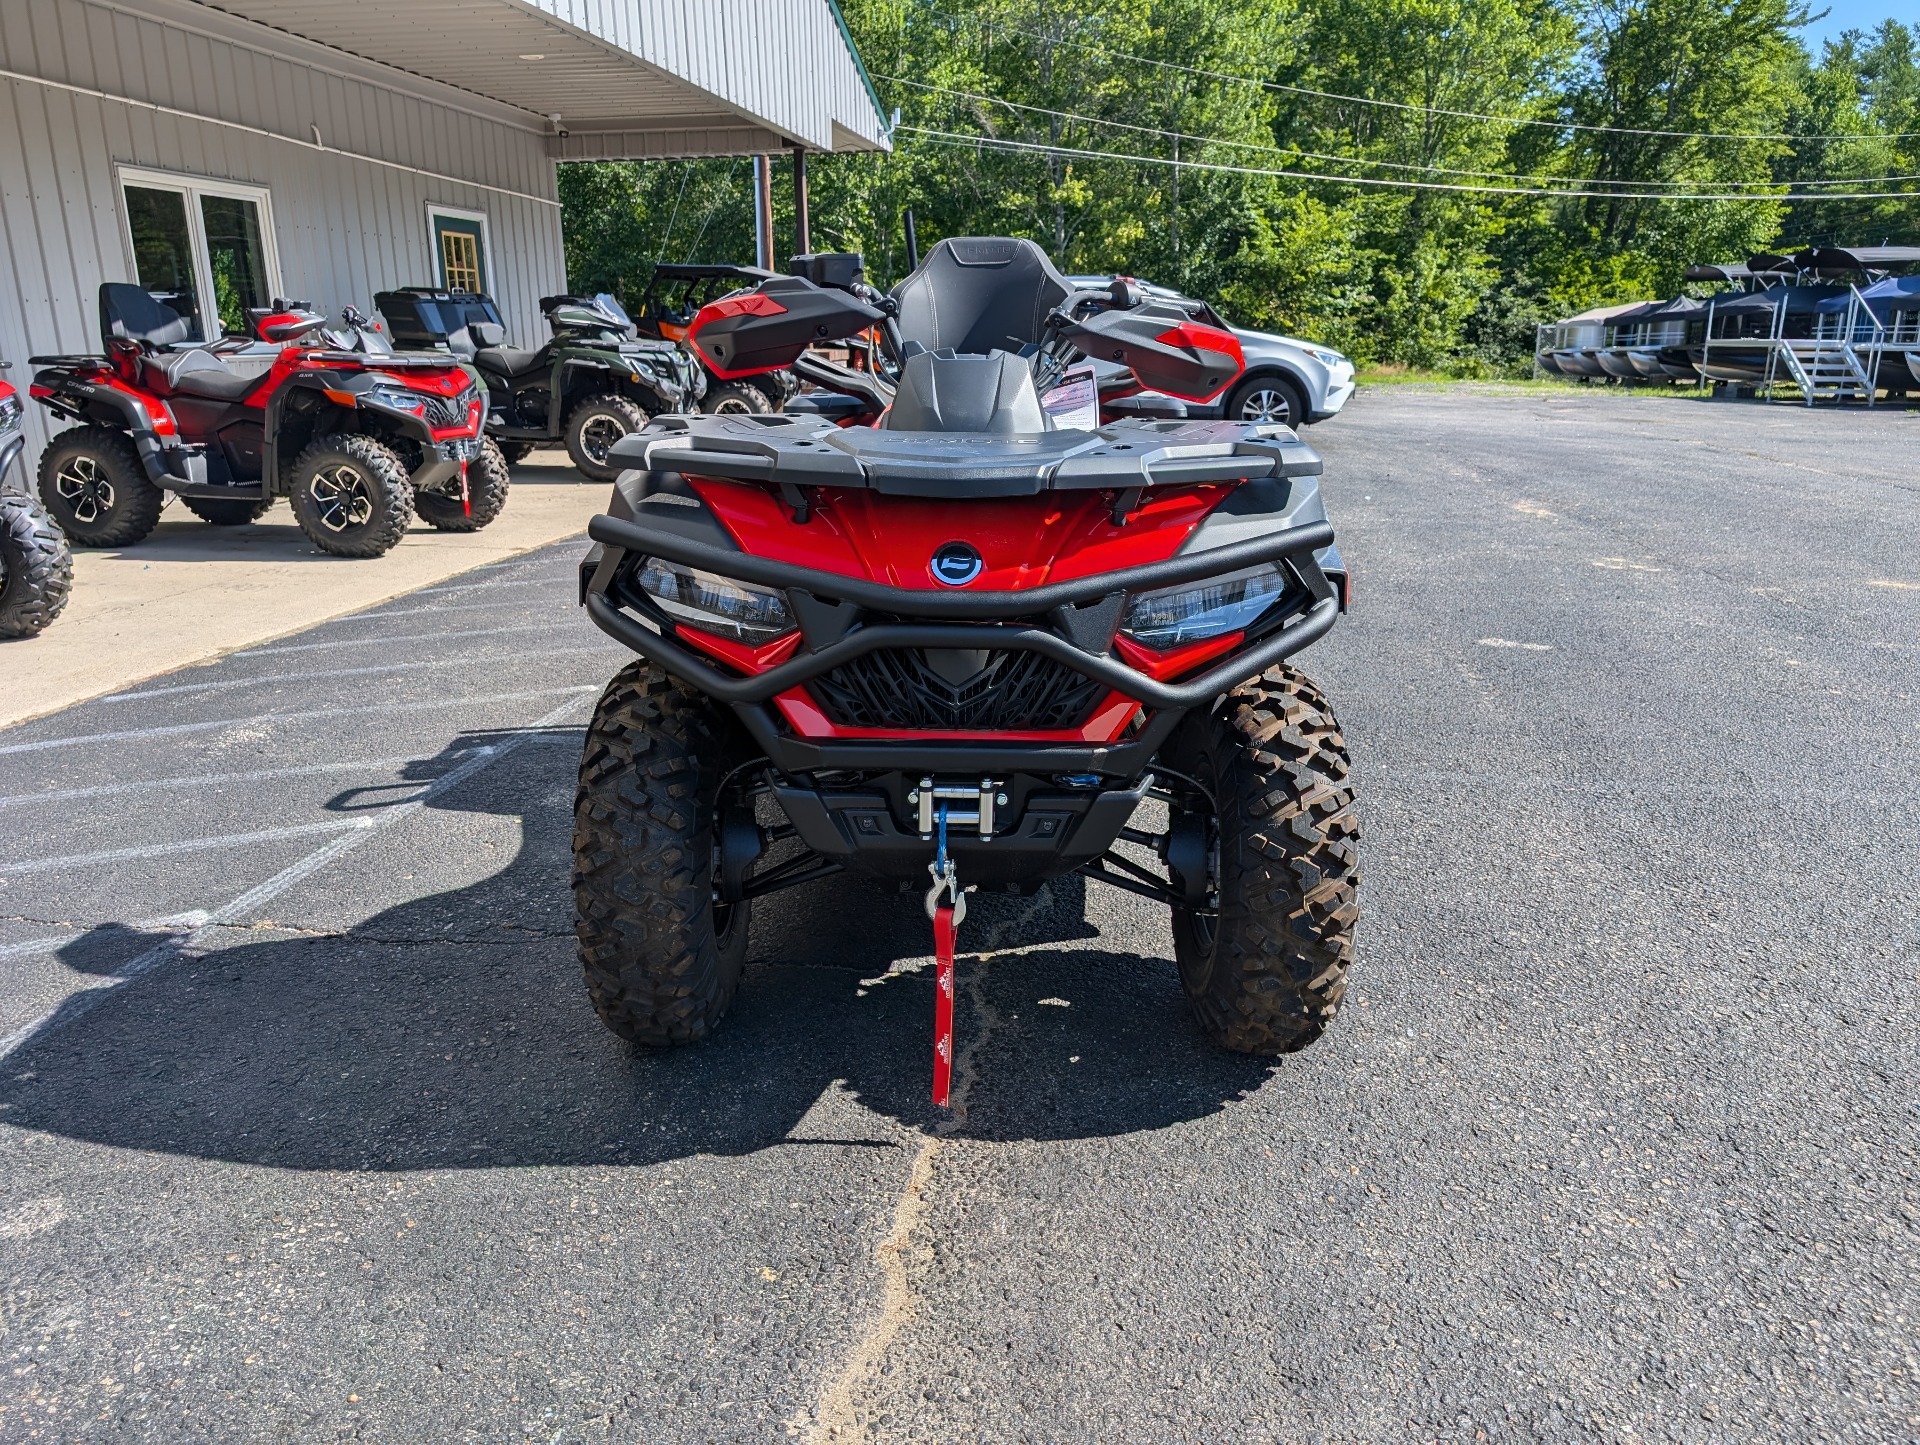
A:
{"points": [[763, 212], [802, 223]]}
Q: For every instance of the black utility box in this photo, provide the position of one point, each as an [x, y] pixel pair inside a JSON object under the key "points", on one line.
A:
{"points": [[420, 316]]}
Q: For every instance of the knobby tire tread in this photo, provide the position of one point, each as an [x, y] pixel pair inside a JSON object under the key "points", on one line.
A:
{"points": [[486, 493], [1276, 972], [38, 570], [381, 533], [137, 501], [643, 835]]}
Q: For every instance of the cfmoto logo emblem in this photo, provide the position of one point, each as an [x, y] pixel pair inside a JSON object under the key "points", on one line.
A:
{"points": [[955, 564]]}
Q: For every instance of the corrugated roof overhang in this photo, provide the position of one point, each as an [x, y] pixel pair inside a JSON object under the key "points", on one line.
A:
{"points": [[629, 79]]}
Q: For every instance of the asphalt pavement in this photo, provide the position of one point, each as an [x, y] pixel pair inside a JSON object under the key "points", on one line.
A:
{"points": [[308, 1132]]}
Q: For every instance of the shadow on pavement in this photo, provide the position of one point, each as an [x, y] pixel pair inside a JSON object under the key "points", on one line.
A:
{"points": [[453, 1031]]}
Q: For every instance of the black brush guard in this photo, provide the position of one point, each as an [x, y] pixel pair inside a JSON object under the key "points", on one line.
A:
{"points": [[957, 620]]}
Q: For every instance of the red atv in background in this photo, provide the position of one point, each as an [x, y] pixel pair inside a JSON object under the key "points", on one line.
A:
{"points": [[968, 639], [357, 438], [36, 570]]}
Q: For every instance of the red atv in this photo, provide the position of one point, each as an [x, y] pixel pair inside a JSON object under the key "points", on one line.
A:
{"points": [[357, 438], [36, 570], [966, 642]]}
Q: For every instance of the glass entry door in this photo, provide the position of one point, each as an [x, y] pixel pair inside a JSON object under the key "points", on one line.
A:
{"points": [[203, 248]]}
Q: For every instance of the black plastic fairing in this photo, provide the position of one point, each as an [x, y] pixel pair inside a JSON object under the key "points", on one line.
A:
{"points": [[1165, 346], [768, 327]]}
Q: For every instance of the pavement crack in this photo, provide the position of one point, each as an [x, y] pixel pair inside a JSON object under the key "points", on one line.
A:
{"points": [[838, 1416]]}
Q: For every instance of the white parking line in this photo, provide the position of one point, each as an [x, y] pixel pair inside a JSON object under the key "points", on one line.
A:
{"points": [[290, 677], [179, 925], [532, 580], [206, 780], [76, 1005], [185, 845], [454, 636], [436, 608], [359, 710]]}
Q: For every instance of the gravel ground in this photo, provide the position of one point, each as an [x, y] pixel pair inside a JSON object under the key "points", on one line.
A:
{"points": [[307, 1131]]}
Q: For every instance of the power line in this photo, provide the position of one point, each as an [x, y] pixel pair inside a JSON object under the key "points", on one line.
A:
{"points": [[1353, 160], [1280, 88], [951, 138]]}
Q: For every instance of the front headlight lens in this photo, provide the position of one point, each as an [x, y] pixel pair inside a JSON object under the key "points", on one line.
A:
{"points": [[1326, 358], [401, 399], [9, 414], [1194, 612], [739, 610]]}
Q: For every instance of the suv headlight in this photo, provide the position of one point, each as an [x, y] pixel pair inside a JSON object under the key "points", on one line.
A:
{"points": [[739, 610], [1196, 611], [9, 415], [1326, 358]]}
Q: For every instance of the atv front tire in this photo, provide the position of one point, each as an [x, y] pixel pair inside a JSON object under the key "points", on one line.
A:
{"points": [[515, 452], [95, 488], [224, 513], [1266, 975], [486, 495], [735, 398], [593, 429], [36, 570], [351, 495], [662, 958]]}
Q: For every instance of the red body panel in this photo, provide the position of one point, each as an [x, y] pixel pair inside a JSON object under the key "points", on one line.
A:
{"points": [[1025, 542]]}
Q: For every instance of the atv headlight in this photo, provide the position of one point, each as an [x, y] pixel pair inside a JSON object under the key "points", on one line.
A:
{"points": [[399, 398], [9, 415], [739, 610], [1196, 611]]}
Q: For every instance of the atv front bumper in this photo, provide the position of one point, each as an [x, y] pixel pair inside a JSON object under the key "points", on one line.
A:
{"points": [[844, 618]]}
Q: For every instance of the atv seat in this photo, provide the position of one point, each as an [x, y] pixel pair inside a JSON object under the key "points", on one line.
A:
{"points": [[975, 294], [509, 360], [195, 373]]}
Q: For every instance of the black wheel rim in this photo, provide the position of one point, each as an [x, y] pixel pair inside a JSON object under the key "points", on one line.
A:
{"points": [[598, 436], [732, 406], [1266, 403], [342, 498], [82, 485]]}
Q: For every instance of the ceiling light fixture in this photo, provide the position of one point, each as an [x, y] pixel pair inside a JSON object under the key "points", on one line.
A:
{"points": [[536, 56]]}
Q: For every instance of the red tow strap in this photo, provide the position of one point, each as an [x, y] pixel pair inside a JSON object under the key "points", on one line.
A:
{"points": [[466, 497], [943, 931]]}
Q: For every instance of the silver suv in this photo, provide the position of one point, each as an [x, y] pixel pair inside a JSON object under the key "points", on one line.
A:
{"points": [[1285, 380]]}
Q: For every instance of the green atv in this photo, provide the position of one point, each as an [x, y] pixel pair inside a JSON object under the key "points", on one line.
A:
{"points": [[593, 384]]}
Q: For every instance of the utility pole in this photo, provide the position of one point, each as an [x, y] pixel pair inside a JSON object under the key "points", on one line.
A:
{"points": [[763, 212], [802, 226]]}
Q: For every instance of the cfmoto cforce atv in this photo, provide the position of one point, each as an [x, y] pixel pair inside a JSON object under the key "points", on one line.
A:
{"points": [[674, 296], [968, 643], [357, 440], [593, 384], [36, 570]]}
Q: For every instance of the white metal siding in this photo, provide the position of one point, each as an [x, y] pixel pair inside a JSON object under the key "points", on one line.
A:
{"points": [[345, 226]]}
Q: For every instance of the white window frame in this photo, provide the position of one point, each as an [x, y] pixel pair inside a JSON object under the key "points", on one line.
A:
{"points": [[193, 188], [456, 213]]}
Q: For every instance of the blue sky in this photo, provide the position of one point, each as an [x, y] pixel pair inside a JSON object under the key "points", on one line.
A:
{"points": [[1854, 15]]}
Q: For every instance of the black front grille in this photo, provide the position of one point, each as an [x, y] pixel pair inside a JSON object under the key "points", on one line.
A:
{"points": [[444, 412], [994, 691]]}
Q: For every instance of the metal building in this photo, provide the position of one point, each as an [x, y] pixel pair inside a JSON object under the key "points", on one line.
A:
{"points": [[221, 152]]}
